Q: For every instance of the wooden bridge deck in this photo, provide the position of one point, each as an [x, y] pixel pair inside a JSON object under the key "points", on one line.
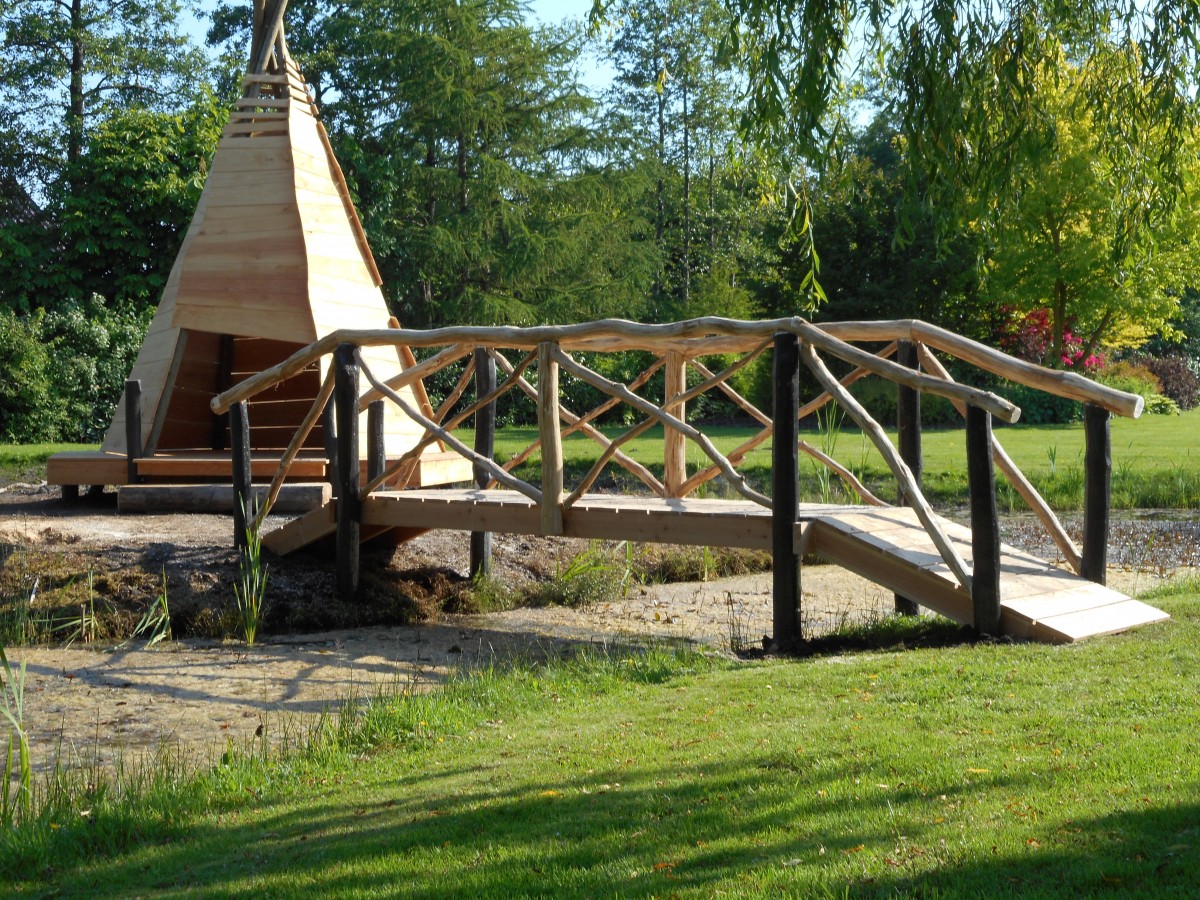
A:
{"points": [[886, 545]]}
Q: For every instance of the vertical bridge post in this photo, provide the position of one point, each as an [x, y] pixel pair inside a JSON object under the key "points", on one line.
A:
{"points": [[376, 451], [552, 458], [985, 522], [1097, 492], [348, 505], [908, 433], [133, 428], [244, 509], [785, 470], [485, 445], [674, 442], [329, 433]]}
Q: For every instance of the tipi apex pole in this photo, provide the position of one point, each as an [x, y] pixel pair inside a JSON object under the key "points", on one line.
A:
{"points": [[349, 507]]}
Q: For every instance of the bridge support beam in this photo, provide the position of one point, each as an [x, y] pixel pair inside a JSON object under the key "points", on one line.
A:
{"points": [[785, 468], [349, 506], [485, 445], [985, 523], [1097, 492], [908, 433]]}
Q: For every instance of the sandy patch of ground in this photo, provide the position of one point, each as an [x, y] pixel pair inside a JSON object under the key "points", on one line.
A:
{"points": [[90, 704]]}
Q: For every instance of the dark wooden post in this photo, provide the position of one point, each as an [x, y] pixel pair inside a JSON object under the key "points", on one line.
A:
{"points": [[785, 469], [243, 499], [349, 507], [485, 445], [1097, 492], [376, 453], [133, 428], [908, 433], [329, 433], [985, 522]]}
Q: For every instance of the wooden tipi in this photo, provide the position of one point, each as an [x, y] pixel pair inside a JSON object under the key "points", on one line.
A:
{"points": [[275, 258]]}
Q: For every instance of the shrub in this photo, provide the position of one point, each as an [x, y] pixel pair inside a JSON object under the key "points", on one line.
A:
{"points": [[1176, 378], [64, 370], [1135, 378], [30, 409], [1039, 407], [95, 347]]}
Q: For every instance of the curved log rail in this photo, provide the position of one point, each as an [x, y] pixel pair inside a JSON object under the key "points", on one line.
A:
{"points": [[679, 348]]}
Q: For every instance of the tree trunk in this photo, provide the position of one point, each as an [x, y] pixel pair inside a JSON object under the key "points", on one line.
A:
{"points": [[687, 193], [76, 112]]}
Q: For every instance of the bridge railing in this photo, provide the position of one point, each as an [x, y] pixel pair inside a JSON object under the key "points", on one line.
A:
{"points": [[678, 349]]}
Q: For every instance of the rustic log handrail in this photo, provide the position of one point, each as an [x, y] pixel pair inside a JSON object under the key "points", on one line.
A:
{"points": [[677, 346], [617, 334], [1014, 476], [1063, 384], [890, 456]]}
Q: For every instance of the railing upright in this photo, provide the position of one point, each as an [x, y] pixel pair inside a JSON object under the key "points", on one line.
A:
{"points": [[349, 506], [785, 471], [243, 497], [674, 441], [485, 445], [376, 450], [1097, 492], [908, 433], [133, 428], [985, 523], [552, 458]]}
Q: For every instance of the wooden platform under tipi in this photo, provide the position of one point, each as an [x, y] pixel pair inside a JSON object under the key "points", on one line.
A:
{"points": [[275, 258]]}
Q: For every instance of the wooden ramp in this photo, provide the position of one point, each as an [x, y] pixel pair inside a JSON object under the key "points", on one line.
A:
{"points": [[885, 545]]}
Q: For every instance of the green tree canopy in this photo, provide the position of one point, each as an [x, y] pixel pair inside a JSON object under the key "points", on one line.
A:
{"points": [[1073, 241]]}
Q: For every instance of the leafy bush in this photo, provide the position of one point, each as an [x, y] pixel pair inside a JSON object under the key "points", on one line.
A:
{"points": [[1039, 407], [1176, 378], [95, 347], [29, 407], [1135, 378], [64, 370]]}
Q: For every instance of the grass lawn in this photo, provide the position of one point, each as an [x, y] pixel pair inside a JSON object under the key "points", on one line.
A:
{"points": [[953, 770], [1156, 460], [24, 462]]}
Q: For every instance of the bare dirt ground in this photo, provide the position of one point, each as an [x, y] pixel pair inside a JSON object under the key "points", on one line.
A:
{"points": [[91, 703]]}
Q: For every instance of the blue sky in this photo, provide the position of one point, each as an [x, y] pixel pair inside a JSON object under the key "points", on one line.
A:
{"points": [[595, 74]]}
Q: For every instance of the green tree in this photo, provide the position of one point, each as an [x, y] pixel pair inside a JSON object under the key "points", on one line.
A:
{"points": [[477, 164], [1072, 242], [122, 249], [79, 78], [69, 62], [673, 94]]}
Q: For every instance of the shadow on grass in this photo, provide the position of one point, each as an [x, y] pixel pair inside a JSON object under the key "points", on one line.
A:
{"points": [[638, 830]]}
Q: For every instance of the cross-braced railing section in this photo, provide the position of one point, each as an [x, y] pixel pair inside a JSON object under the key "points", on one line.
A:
{"points": [[685, 360]]}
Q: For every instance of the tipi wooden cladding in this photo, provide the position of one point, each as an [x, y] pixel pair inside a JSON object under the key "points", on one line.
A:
{"points": [[275, 257]]}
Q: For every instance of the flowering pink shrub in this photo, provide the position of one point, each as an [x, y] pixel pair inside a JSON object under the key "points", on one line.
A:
{"points": [[1029, 336]]}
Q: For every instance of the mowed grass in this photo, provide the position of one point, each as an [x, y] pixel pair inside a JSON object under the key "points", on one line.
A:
{"points": [[961, 770], [22, 462], [1156, 460]]}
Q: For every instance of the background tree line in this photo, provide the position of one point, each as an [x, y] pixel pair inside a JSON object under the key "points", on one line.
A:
{"points": [[1023, 177]]}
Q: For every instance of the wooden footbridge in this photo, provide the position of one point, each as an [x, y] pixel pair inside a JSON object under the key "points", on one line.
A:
{"points": [[963, 573]]}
